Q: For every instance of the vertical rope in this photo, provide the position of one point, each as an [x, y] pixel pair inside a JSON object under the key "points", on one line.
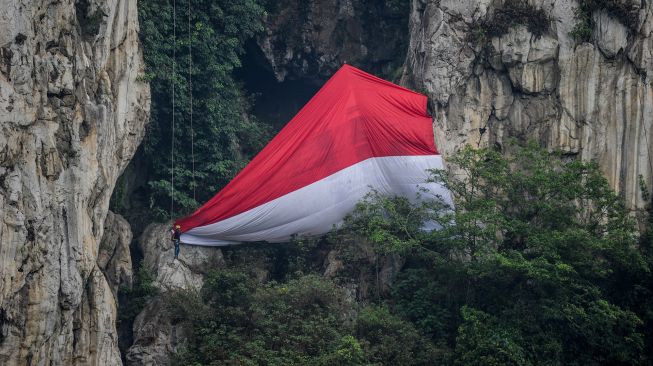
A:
{"points": [[190, 94], [172, 140]]}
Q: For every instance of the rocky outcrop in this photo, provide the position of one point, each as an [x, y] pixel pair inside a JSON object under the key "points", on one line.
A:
{"points": [[72, 113], [95, 319], [312, 39], [155, 336], [94, 323], [490, 82]]}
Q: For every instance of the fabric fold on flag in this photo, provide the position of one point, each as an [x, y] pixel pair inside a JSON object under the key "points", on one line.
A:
{"points": [[356, 134]]}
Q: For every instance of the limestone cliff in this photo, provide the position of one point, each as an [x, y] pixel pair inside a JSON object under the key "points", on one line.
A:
{"points": [[493, 75], [72, 113]]}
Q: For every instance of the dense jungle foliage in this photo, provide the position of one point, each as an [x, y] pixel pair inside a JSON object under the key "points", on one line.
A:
{"points": [[540, 263], [224, 135]]}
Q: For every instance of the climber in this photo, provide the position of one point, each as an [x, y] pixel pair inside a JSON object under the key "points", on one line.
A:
{"points": [[175, 237]]}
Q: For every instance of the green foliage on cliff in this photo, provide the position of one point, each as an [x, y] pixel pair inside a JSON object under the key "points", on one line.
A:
{"points": [[511, 14], [625, 12], [538, 264], [224, 135], [303, 321]]}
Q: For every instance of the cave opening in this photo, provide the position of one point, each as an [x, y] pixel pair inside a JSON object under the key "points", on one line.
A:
{"points": [[272, 101]]}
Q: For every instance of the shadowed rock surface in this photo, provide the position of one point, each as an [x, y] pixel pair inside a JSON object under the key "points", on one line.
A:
{"points": [[312, 39]]}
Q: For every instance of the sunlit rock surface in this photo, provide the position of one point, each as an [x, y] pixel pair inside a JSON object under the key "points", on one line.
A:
{"points": [[72, 113]]}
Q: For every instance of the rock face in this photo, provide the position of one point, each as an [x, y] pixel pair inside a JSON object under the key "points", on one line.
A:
{"points": [[72, 114], [95, 322], [155, 337], [312, 39], [590, 99], [186, 272]]}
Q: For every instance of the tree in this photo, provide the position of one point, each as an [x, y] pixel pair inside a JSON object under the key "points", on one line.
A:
{"points": [[224, 136]]}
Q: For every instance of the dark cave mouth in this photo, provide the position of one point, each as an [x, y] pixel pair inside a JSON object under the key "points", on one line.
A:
{"points": [[272, 102]]}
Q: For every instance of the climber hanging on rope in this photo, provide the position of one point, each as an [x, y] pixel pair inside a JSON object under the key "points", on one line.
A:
{"points": [[176, 237]]}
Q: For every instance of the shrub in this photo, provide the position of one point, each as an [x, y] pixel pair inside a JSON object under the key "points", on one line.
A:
{"points": [[620, 10], [224, 136], [511, 14], [483, 341], [235, 320], [390, 340]]}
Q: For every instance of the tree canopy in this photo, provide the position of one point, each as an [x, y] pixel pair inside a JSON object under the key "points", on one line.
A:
{"points": [[539, 262]]}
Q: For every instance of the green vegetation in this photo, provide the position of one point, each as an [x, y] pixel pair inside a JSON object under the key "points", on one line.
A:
{"points": [[623, 11], [513, 13], [225, 135], [583, 29], [132, 300], [142, 291], [540, 263]]}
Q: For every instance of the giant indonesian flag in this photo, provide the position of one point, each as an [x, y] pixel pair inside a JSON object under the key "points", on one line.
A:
{"points": [[357, 133]]}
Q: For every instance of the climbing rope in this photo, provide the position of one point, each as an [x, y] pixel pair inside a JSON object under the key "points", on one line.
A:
{"points": [[172, 140], [190, 96]]}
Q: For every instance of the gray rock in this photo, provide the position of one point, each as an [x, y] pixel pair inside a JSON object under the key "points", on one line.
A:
{"points": [[611, 35], [153, 337], [581, 98], [114, 257], [187, 271], [72, 113], [312, 39]]}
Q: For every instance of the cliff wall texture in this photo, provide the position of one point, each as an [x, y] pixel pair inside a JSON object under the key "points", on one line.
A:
{"points": [[72, 113], [575, 79]]}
